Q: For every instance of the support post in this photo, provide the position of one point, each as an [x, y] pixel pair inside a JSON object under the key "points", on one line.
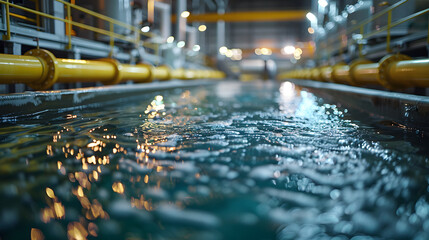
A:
{"points": [[220, 29], [389, 21], [181, 22]]}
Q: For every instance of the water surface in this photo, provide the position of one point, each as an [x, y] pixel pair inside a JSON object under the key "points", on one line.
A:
{"points": [[228, 161]]}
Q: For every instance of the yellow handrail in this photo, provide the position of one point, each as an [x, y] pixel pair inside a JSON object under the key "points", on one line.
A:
{"points": [[69, 23], [23, 17], [368, 20], [333, 41]]}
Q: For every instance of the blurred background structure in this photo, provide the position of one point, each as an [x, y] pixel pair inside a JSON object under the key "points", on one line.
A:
{"points": [[247, 40]]}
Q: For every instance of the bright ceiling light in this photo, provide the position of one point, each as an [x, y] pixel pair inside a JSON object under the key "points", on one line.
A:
{"points": [[236, 57], [196, 48], [236, 51], [266, 51], [170, 39], [202, 28], [185, 14], [223, 50], [310, 16], [323, 3], [310, 30], [258, 51], [181, 44], [288, 50], [228, 53], [145, 29]]}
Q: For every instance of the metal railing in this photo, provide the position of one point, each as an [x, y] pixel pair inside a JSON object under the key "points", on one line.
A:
{"points": [[134, 37], [341, 37]]}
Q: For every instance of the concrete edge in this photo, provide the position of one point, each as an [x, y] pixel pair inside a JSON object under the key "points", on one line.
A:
{"points": [[407, 110], [17, 105]]}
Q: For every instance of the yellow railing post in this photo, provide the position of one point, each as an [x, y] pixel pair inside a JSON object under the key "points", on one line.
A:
{"points": [[69, 27], [137, 32], [112, 40], [7, 36], [389, 21]]}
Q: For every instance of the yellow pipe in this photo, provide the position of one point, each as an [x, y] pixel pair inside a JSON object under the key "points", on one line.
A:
{"points": [[161, 73], [71, 71], [138, 73], [178, 73], [326, 74], [394, 71], [340, 74], [409, 73], [315, 74], [19, 69], [40, 70], [366, 74]]}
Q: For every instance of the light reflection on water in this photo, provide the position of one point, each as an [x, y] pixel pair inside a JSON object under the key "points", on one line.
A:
{"points": [[231, 161]]}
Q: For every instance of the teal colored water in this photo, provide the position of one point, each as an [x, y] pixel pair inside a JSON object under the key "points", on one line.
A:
{"points": [[227, 161]]}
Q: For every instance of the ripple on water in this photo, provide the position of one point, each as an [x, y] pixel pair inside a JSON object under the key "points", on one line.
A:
{"points": [[253, 162]]}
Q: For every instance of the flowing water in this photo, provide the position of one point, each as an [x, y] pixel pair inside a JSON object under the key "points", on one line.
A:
{"points": [[226, 161]]}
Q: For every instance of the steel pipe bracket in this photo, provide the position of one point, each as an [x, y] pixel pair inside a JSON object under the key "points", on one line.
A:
{"points": [[383, 69], [117, 78], [50, 69]]}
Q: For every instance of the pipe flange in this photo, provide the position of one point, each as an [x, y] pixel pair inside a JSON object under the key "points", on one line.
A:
{"points": [[149, 69], [353, 66], [117, 78], [50, 69], [383, 76]]}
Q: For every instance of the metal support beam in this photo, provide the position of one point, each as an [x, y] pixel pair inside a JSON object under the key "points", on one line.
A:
{"points": [[181, 23], [165, 10], [257, 16], [220, 28]]}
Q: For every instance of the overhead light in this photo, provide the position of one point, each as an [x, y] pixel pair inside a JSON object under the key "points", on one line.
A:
{"points": [[323, 3], [266, 51], [236, 57], [185, 14], [310, 30], [223, 50], [228, 53], [202, 28], [298, 51], [236, 51], [196, 48], [145, 29], [258, 51], [181, 44], [170, 39], [310, 16], [288, 50]]}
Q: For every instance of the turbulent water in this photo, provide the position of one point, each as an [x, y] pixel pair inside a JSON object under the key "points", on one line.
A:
{"points": [[227, 161]]}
